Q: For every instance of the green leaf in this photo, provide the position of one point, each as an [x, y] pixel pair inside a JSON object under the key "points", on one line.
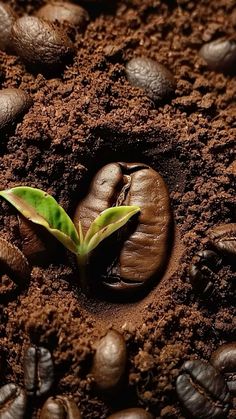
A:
{"points": [[107, 223], [43, 209]]}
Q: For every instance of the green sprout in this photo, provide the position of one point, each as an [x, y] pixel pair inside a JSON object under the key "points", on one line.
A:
{"points": [[41, 208]]}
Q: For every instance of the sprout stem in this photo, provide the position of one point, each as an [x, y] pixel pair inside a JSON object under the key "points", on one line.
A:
{"points": [[83, 264]]}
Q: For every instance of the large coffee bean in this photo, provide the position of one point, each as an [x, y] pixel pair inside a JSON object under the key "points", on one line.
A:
{"points": [[154, 78], [220, 55], [60, 408], [224, 359], [201, 271], [143, 254], [14, 103], [7, 18], [14, 263], [38, 371], [65, 12], [223, 238], [202, 391], [133, 413], [12, 402], [109, 362], [40, 44]]}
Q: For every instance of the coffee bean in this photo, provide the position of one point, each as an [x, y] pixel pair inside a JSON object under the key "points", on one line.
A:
{"points": [[223, 238], [12, 402], [201, 271], [14, 263], [40, 44], [143, 254], [38, 371], [220, 55], [224, 359], [133, 413], [37, 244], [154, 78], [7, 18], [65, 12], [13, 104], [109, 362], [60, 408], [202, 391]]}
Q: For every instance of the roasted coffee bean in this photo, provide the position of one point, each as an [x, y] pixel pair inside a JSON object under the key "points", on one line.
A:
{"points": [[201, 271], [60, 408], [12, 402], [13, 104], [7, 18], [40, 44], [224, 359], [220, 55], [144, 254], [202, 391], [65, 12], [156, 80], [14, 263], [38, 371], [133, 413], [223, 238], [109, 362], [37, 244]]}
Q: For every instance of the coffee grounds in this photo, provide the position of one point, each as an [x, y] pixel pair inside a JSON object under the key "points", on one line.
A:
{"points": [[90, 116]]}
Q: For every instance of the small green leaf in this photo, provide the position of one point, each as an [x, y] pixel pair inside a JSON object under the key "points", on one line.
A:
{"points": [[107, 223], [43, 209]]}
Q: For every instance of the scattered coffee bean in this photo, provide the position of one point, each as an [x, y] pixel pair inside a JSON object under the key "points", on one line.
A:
{"points": [[202, 391], [12, 402], [224, 359], [37, 244], [135, 413], [220, 55], [60, 408], [201, 271], [13, 104], [7, 18], [157, 81], [63, 12], [40, 44], [38, 371], [223, 238], [143, 255], [14, 263], [109, 362]]}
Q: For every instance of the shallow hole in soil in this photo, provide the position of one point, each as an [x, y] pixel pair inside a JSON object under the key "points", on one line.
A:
{"points": [[161, 155]]}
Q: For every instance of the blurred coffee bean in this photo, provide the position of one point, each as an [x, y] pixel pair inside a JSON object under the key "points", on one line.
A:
{"points": [[154, 78], [133, 413], [202, 391], [12, 402], [13, 263], [142, 248], [40, 44], [60, 407], [201, 271], [220, 55], [38, 371], [7, 18], [63, 12], [37, 244], [223, 238], [224, 359], [14, 103], [109, 362]]}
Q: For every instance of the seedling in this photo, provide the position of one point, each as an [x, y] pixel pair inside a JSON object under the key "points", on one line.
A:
{"points": [[41, 208]]}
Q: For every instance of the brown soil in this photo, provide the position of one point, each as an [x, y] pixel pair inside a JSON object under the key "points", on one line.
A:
{"points": [[91, 116]]}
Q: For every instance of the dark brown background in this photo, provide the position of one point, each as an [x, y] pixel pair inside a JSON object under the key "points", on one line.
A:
{"points": [[90, 116]]}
